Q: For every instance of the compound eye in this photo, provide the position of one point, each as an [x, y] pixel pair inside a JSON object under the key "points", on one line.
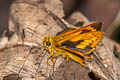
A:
{"points": [[48, 43]]}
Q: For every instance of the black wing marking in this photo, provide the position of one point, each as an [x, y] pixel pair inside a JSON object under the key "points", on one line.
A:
{"points": [[72, 45]]}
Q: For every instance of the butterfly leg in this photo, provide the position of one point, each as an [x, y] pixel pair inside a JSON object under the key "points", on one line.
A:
{"points": [[53, 54], [89, 54], [47, 64], [49, 57], [68, 65], [68, 59], [53, 61]]}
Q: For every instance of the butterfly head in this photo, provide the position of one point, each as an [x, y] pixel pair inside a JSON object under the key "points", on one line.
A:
{"points": [[47, 42]]}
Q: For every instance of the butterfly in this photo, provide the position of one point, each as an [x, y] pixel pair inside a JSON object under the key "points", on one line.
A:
{"points": [[74, 43]]}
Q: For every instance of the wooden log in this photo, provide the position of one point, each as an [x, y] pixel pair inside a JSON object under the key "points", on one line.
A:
{"points": [[23, 57]]}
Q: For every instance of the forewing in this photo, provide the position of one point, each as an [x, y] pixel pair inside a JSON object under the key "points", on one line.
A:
{"points": [[89, 28], [75, 32], [83, 43]]}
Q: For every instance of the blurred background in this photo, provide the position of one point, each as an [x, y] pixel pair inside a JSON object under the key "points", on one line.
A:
{"points": [[107, 11]]}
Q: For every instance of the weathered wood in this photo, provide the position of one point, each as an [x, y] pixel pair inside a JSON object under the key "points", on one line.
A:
{"points": [[23, 56]]}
